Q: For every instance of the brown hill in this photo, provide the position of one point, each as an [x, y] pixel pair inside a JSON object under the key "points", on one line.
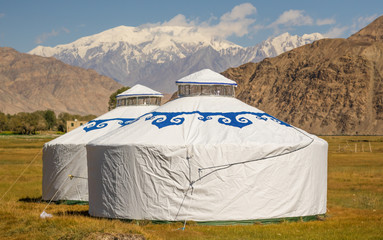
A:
{"points": [[332, 86], [29, 83], [372, 33]]}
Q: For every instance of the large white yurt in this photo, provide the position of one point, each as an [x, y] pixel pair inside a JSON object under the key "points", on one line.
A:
{"points": [[64, 158], [207, 157]]}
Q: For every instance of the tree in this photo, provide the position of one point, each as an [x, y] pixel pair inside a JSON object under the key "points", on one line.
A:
{"points": [[62, 119], [27, 123], [87, 117], [3, 122], [112, 99], [30, 123], [50, 118]]}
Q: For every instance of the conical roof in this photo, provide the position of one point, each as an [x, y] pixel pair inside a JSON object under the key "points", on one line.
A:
{"points": [[206, 76], [207, 120], [103, 124], [139, 90]]}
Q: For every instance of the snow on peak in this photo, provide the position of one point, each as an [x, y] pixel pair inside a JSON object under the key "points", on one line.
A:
{"points": [[147, 39], [286, 42], [312, 36], [158, 55]]}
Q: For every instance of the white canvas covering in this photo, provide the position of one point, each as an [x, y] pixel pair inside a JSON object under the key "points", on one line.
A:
{"points": [[66, 155], [207, 158]]}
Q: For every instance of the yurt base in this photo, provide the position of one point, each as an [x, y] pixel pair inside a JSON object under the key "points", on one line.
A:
{"points": [[265, 221], [318, 217]]}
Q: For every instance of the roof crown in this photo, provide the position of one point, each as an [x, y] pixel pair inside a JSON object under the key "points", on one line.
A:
{"points": [[207, 77], [139, 90]]}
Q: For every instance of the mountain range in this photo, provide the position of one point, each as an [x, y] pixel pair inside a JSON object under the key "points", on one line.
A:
{"points": [[29, 83], [332, 86], [158, 56]]}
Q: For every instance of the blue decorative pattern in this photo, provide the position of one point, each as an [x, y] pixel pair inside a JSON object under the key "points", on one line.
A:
{"points": [[234, 119], [102, 123]]}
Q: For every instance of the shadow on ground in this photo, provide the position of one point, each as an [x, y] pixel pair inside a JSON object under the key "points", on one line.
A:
{"points": [[64, 202], [31, 200], [74, 213]]}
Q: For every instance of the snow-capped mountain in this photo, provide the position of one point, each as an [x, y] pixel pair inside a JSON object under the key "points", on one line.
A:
{"points": [[157, 56], [285, 42]]}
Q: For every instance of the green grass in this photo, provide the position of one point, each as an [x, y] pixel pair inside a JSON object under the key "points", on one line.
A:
{"points": [[355, 201]]}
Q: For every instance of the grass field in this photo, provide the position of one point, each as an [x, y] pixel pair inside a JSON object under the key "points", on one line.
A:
{"points": [[355, 201]]}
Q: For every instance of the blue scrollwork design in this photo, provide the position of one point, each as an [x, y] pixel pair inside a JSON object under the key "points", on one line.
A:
{"points": [[234, 119], [102, 123], [163, 120]]}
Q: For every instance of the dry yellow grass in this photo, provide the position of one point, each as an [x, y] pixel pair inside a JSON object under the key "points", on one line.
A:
{"points": [[355, 202]]}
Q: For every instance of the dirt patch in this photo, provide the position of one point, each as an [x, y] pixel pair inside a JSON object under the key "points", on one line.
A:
{"points": [[114, 236]]}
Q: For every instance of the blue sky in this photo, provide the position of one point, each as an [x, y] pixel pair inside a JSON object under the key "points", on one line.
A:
{"points": [[25, 24]]}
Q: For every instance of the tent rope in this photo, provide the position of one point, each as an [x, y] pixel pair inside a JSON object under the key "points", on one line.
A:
{"points": [[51, 184], [186, 193], [54, 195], [21, 174], [182, 203]]}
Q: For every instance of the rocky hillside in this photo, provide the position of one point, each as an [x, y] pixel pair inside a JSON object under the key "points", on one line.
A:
{"points": [[29, 83], [332, 86]]}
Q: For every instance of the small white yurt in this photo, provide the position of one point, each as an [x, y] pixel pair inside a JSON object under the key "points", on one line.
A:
{"points": [[65, 174], [207, 157]]}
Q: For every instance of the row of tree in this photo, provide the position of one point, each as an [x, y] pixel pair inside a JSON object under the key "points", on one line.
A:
{"points": [[30, 123]]}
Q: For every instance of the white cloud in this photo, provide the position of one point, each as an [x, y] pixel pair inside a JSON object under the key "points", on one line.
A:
{"points": [[336, 32], [66, 30], [239, 12], [326, 21], [43, 37], [358, 23], [179, 20], [293, 18], [240, 21], [236, 22], [258, 27], [361, 22]]}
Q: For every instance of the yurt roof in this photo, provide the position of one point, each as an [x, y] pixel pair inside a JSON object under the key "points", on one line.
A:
{"points": [[207, 120], [97, 127], [206, 77], [116, 118], [139, 90]]}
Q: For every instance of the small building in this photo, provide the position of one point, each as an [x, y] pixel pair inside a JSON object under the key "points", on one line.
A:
{"points": [[70, 125]]}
